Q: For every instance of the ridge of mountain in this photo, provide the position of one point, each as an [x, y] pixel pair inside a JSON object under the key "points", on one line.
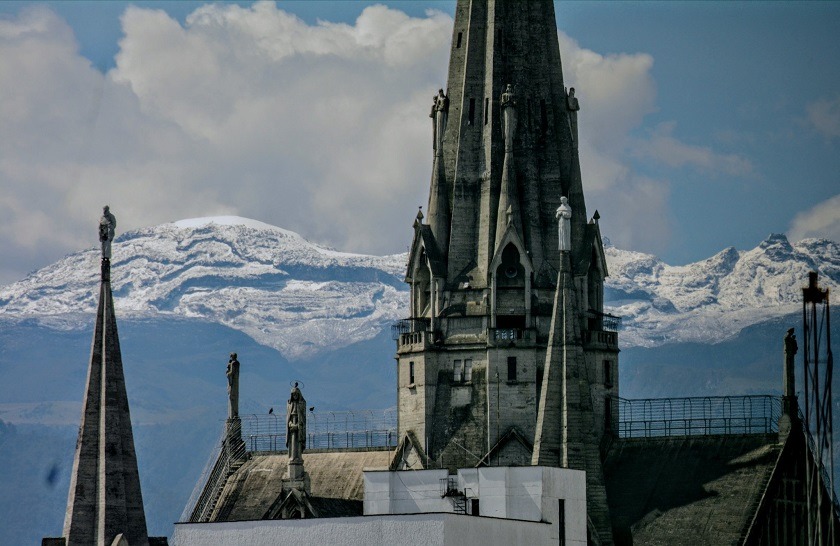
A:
{"points": [[301, 298]]}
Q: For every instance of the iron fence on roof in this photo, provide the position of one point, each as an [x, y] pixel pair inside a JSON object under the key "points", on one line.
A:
{"points": [[324, 430], [698, 416]]}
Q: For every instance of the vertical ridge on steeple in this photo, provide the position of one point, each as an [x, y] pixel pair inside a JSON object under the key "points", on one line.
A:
{"points": [[105, 498]]}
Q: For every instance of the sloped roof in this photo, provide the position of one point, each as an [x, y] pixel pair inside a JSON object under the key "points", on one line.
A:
{"points": [[687, 490], [337, 483]]}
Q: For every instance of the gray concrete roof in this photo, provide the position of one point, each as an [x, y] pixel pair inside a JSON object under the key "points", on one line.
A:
{"points": [[688, 490], [337, 483]]}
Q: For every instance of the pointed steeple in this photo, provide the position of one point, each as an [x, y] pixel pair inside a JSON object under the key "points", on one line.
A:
{"points": [[496, 43], [105, 499], [508, 196], [439, 191]]}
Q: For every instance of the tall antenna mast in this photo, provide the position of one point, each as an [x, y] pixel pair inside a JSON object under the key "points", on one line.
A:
{"points": [[819, 367]]}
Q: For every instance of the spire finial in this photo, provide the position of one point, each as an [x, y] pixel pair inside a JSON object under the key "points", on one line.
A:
{"points": [[107, 225]]}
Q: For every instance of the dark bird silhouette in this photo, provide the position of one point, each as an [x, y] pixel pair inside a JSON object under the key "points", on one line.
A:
{"points": [[270, 411]]}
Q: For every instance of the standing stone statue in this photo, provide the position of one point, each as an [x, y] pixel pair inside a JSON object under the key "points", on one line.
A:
{"points": [[233, 386], [564, 225], [791, 348], [439, 115], [107, 225], [296, 425], [508, 101], [573, 106]]}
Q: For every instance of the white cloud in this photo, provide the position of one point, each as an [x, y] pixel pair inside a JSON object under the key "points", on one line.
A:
{"points": [[321, 129], [824, 115], [822, 220], [663, 147]]}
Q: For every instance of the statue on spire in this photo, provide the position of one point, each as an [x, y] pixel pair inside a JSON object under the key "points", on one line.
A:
{"points": [[573, 106], [564, 225], [296, 425], [439, 115], [107, 225], [509, 116], [232, 373]]}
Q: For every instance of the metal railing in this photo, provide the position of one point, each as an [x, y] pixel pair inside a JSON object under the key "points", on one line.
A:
{"points": [[824, 473], [407, 326], [324, 430], [604, 321], [230, 453], [698, 416]]}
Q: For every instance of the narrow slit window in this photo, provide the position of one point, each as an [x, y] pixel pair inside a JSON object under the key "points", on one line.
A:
{"points": [[471, 117], [511, 362], [607, 414], [411, 373], [458, 371], [608, 382], [486, 110], [468, 370], [458, 44], [561, 522]]}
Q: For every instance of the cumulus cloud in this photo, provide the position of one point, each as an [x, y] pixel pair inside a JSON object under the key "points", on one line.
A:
{"points": [[319, 128], [823, 220], [824, 116]]}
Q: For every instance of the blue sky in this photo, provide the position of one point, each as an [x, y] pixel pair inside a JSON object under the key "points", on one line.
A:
{"points": [[703, 125]]}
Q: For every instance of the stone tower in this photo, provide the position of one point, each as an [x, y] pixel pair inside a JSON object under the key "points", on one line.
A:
{"points": [[490, 291], [105, 499]]}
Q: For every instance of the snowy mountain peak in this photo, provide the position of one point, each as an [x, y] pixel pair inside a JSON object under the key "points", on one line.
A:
{"points": [[224, 221], [288, 293], [268, 282]]}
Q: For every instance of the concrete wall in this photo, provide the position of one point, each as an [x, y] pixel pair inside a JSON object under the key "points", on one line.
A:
{"points": [[420, 529]]}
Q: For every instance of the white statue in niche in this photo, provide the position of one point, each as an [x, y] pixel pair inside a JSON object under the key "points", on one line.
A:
{"points": [[564, 225]]}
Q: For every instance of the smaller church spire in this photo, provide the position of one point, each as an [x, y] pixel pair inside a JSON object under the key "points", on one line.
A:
{"points": [[105, 501], [439, 194]]}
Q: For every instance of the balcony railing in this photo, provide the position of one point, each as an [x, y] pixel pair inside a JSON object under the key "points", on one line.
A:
{"points": [[698, 416], [406, 326], [324, 430], [603, 321]]}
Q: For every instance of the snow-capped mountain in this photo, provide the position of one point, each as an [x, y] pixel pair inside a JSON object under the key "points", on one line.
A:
{"points": [[714, 299], [299, 298], [268, 282]]}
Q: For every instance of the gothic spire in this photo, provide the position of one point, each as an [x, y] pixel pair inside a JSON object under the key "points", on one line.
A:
{"points": [[105, 499], [496, 43]]}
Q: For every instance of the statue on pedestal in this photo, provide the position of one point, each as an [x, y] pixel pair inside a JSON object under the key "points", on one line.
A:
{"points": [[232, 373], [439, 115], [573, 106], [564, 225], [107, 225], [296, 425]]}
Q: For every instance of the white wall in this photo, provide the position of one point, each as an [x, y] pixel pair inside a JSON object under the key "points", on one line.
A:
{"points": [[416, 529], [529, 493]]}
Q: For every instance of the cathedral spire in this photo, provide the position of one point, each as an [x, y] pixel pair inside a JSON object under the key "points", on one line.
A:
{"points": [[496, 43], [105, 499]]}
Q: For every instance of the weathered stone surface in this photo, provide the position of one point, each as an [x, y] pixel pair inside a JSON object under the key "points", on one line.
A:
{"points": [[105, 498]]}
